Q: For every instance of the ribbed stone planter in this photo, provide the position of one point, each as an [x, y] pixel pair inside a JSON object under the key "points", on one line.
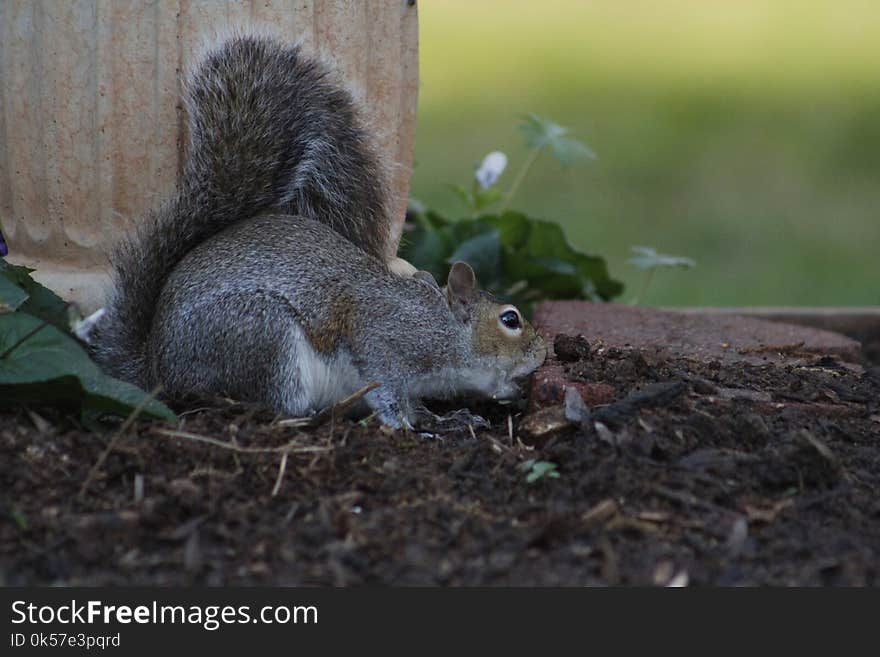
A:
{"points": [[91, 124]]}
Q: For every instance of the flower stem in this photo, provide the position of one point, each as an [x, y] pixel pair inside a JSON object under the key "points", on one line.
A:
{"points": [[474, 192], [641, 295], [530, 160]]}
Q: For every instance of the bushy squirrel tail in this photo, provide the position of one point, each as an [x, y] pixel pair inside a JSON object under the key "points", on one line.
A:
{"points": [[267, 131]]}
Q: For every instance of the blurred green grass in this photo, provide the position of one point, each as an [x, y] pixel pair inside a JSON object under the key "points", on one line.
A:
{"points": [[743, 134]]}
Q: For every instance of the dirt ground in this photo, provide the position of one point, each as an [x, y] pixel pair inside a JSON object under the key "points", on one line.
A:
{"points": [[700, 473]]}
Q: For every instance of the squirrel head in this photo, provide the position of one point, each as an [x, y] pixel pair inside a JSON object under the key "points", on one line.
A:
{"points": [[504, 344]]}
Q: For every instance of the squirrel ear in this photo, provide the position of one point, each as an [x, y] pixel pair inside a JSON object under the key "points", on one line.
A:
{"points": [[461, 286], [462, 281]]}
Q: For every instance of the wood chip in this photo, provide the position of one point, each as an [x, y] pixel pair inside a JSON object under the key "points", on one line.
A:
{"points": [[767, 514], [539, 426], [599, 514]]}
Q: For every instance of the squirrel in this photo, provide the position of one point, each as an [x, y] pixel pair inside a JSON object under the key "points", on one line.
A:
{"points": [[268, 275]]}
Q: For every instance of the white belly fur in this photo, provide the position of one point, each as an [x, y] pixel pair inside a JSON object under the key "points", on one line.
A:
{"points": [[316, 381]]}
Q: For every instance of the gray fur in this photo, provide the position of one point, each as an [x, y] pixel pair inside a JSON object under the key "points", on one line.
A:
{"points": [[228, 309], [264, 277]]}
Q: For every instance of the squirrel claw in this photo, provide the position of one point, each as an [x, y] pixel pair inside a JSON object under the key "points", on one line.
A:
{"points": [[454, 420], [395, 421]]}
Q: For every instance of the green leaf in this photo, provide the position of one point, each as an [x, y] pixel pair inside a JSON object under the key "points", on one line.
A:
{"points": [[540, 131], [483, 253], [40, 364], [485, 197], [647, 258], [20, 518], [465, 195], [41, 301], [427, 247], [514, 256], [11, 295], [513, 227], [537, 469], [547, 245], [478, 198], [435, 221], [570, 151]]}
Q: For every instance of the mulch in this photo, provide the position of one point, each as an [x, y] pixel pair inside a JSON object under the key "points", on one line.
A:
{"points": [[698, 471]]}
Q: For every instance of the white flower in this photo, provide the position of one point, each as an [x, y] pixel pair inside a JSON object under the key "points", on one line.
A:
{"points": [[491, 169]]}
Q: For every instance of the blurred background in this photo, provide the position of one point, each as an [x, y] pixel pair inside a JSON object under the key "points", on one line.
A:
{"points": [[744, 134]]}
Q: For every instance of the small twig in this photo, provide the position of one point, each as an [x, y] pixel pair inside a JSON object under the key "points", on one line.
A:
{"points": [[339, 408], [287, 448], [296, 422], [522, 447], [194, 410], [496, 446], [138, 488], [645, 284], [119, 433], [686, 499], [281, 468]]}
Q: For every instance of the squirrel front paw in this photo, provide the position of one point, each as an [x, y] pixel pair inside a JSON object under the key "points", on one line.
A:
{"points": [[387, 407]]}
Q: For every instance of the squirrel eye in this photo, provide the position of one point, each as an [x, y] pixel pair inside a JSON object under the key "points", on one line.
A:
{"points": [[510, 319]]}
